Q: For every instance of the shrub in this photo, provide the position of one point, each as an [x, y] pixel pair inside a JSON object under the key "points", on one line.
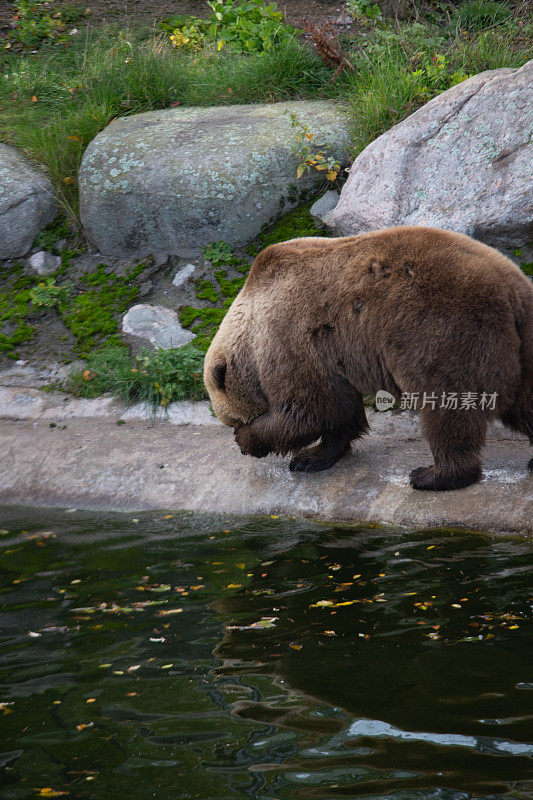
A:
{"points": [[156, 378], [249, 26]]}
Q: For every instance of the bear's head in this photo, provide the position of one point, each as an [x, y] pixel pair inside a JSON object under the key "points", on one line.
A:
{"points": [[230, 368]]}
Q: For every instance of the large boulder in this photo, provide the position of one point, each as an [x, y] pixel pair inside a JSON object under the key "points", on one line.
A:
{"points": [[27, 203], [178, 179], [463, 162]]}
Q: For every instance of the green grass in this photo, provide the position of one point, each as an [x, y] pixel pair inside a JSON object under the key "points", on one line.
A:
{"points": [[55, 102], [80, 89], [478, 14], [154, 378]]}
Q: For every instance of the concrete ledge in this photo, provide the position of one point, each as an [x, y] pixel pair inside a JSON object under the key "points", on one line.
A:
{"points": [[88, 461]]}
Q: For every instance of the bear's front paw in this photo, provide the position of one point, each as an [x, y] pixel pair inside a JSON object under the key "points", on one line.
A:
{"points": [[249, 444]]}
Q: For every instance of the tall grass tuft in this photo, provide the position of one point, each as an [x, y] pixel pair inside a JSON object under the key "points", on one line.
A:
{"points": [[53, 104]]}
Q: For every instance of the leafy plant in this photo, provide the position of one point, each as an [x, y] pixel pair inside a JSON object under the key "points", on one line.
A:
{"points": [[53, 233], [33, 23], [435, 76], [363, 9], [218, 253], [48, 294], [185, 32], [248, 26], [311, 152], [156, 378]]}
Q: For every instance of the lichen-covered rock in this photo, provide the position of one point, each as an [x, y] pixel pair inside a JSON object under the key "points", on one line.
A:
{"points": [[157, 325], [27, 203], [178, 179], [463, 161]]}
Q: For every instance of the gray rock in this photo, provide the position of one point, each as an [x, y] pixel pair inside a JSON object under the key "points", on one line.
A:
{"points": [[43, 263], [183, 274], [462, 162], [156, 324], [321, 210], [27, 203], [178, 179]]}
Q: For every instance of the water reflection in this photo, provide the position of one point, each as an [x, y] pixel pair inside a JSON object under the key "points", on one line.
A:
{"points": [[177, 656]]}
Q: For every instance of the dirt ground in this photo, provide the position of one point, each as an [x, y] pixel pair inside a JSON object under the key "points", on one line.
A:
{"points": [[146, 12]]}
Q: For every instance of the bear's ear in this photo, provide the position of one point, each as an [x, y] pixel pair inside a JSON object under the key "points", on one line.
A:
{"points": [[218, 373]]}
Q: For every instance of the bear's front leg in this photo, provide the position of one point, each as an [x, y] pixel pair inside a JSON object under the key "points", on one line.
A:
{"points": [[248, 437], [277, 431]]}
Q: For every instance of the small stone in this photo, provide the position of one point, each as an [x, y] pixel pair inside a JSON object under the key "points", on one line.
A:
{"points": [[43, 263], [183, 274], [145, 288], [344, 19], [156, 324], [322, 208]]}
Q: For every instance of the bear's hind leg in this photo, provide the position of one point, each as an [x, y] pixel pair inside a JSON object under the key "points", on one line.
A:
{"points": [[456, 439], [520, 418]]}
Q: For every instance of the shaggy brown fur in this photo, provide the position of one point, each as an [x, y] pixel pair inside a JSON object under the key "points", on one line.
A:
{"points": [[320, 323]]}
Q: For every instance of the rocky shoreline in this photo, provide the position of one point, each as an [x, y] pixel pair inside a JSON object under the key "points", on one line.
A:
{"points": [[98, 454]]}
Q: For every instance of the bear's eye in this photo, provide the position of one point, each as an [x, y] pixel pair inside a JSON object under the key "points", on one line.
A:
{"points": [[218, 371]]}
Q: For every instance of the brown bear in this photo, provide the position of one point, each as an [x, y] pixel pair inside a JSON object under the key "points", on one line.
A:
{"points": [[321, 323]]}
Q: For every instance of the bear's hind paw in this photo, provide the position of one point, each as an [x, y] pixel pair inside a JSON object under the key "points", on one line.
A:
{"points": [[426, 478]]}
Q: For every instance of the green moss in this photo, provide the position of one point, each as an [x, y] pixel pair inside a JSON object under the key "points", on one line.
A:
{"points": [[206, 291], [230, 288], [525, 266], [294, 225], [92, 316], [15, 307]]}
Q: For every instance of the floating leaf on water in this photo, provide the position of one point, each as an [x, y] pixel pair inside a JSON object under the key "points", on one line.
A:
{"points": [[47, 791], [167, 666], [167, 612], [295, 646], [234, 586]]}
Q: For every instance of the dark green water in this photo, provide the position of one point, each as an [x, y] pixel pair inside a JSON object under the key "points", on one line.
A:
{"points": [[200, 657]]}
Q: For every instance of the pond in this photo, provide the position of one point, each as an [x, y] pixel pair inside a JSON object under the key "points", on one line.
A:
{"points": [[186, 656]]}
